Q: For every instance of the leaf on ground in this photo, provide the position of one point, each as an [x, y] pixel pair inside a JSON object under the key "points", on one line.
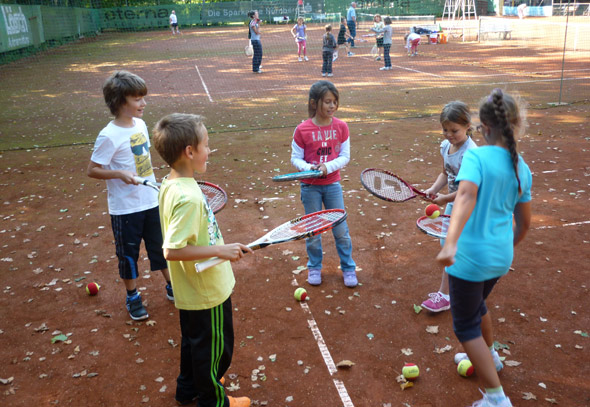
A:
{"points": [[498, 346], [407, 351], [528, 396], [406, 385], [443, 349], [59, 338], [432, 329], [552, 401], [151, 322], [512, 363], [417, 309], [344, 364]]}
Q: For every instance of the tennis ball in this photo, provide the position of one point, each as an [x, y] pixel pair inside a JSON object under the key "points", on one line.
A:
{"points": [[410, 371], [465, 368], [92, 288], [300, 294], [432, 211]]}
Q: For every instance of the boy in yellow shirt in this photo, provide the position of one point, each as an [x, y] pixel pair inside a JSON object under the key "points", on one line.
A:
{"points": [[190, 234]]}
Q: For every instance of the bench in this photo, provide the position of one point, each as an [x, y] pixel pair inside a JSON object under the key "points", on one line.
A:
{"points": [[428, 30], [281, 19], [499, 26]]}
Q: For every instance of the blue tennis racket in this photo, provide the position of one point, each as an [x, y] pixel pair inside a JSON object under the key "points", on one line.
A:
{"points": [[298, 175]]}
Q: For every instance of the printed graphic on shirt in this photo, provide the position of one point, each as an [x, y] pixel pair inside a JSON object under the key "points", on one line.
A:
{"points": [[326, 150], [141, 154]]}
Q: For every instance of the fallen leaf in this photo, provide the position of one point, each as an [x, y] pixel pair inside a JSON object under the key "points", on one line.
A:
{"points": [[59, 338], [406, 385], [407, 351], [345, 364], [432, 329], [417, 309], [552, 401], [528, 396], [443, 349], [512, 363]]}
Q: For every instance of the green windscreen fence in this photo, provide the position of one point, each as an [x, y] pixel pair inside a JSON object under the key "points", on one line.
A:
{"points": [[54, 59]]}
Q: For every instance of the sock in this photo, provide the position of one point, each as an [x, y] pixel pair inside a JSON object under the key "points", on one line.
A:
{"points": [[445, 296], [131, 293], [496, 395]]}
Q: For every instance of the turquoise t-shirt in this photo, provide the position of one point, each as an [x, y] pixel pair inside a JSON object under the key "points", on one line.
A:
{"points": [[485, 247]]}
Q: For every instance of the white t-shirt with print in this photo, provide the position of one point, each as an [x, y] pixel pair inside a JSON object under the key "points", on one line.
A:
{"points": [[121, 148]]}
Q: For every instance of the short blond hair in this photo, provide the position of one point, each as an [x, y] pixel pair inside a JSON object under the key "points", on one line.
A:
{"points": [[174, 132]]}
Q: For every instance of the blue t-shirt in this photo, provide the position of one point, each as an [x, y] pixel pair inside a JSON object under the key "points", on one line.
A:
{"points": [[253, 35], [485, 247], [351, 13]]}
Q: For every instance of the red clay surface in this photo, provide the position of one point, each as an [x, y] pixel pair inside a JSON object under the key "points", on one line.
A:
{"points": [[56, 238]]}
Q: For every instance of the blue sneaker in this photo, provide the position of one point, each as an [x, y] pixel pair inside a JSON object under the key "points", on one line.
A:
{"points": [[135, 307], [350, 279], [169, 292], [314, 277]]}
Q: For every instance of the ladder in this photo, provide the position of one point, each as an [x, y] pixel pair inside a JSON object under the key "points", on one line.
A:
{"points": [[456, 13], [300, 10]]}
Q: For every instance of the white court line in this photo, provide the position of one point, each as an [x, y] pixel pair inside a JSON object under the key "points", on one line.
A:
{"points": [[204, 85], [342, 392], [585, 222], [414, 70]]}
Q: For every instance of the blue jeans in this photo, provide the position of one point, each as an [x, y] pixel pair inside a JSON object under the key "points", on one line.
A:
{"points": [[386, 57], [313, 196], [352, 29], [257, 57]]}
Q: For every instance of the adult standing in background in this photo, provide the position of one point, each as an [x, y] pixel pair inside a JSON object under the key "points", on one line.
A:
{"points": [[174, 23], [255, 39], [351, 22]]}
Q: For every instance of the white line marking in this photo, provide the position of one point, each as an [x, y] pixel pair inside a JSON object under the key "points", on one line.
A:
{"points": [[586, 222], [414, 70], [342, 392], [204, 85]]}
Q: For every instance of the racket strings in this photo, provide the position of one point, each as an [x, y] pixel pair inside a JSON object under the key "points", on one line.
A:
{"points": [[306, 226], [387, 186], [215, 197], [437, 227]]}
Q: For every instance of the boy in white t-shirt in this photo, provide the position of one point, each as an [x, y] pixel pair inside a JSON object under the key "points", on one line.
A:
{"points": [[412, 42], [174, 23], [122, 151]]}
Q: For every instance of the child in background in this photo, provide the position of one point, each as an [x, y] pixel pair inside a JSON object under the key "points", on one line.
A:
{"points": [[455, 120], [298, 32], [342, 39], [190, 234], [492, 214], [329, 45], [412, 42], [254, 35], [122, 151], [387, 39], [322, 143], [378, 30]]}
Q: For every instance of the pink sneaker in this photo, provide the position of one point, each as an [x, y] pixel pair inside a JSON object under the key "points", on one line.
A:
{"points": [[436, 303]]}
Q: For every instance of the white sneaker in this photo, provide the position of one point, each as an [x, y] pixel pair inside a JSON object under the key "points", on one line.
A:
{"points": [[330, 74], [384, 68], [487, 402], [350, 54], [323, 74], [300, 59], [306, 58]]}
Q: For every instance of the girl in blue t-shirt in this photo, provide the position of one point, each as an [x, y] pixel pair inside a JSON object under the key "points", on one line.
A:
{"points": [[491, 215]]}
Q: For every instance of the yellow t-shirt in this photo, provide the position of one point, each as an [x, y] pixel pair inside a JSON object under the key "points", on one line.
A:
{"points": [[187, 220]]}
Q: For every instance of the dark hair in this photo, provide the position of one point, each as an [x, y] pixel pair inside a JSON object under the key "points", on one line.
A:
{"points": [[501, 113], [456, 112], [316, 94], [328, 27], [174, 132], [251, 13], [387, 20], [120, 85]]}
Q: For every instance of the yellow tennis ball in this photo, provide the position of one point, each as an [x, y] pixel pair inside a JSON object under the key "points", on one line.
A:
{"points": [[410, 371], [432, 211], [465, 368], [300, 294]]}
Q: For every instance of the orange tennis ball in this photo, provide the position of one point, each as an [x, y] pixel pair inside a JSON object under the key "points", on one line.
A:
{"points": [[410, 371], [432, 211], [92, 288]]}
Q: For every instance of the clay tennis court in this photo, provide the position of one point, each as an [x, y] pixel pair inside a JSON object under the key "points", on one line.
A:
{"points": [[56, 232]]}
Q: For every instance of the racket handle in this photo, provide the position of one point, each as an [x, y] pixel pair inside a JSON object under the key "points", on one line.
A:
{"points": [[200, 267], [140, 180]]}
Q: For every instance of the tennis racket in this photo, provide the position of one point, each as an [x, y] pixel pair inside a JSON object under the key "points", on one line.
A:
{"points": [[297, 175], [389, 187], [306, 226], [436, 227], [249, 50], [215, 195]]}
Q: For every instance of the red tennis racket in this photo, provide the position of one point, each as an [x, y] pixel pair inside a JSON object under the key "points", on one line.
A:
{"points": [[389, 187], [215, 195], [436, 227], [306, 226]]}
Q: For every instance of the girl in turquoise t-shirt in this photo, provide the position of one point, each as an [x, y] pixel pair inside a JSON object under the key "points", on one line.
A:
{"points": [[491, 215]]}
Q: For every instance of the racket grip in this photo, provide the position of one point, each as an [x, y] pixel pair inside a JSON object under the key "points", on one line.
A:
{"points": [[199, 267], [140, 180]]}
